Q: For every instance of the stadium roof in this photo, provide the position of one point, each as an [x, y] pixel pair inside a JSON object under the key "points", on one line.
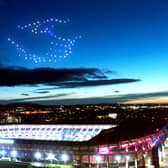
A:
{"points": [[130, 129], [54, 132]]}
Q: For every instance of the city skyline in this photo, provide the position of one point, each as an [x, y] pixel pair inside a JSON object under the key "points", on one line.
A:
{"points": [[75, 52]]}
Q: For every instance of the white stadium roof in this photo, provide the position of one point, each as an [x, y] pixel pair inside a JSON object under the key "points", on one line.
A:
{"points": [[52, 132]]}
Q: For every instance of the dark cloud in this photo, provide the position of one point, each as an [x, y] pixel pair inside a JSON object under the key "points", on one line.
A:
{"points": [[96, 83], [91, 83], [25, 94], [130, 97], [61, 78], [90, 100], [106, 99], [35, 99], [42, 92], [48, 76], [45, 97]]}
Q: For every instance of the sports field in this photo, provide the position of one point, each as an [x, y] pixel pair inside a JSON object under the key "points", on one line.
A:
{"points": [[59, 166], [14, 164]]}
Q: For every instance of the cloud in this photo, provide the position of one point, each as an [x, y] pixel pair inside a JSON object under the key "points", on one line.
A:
{"points": [[47, 76], [60, 78], [45, 97], [42, 92], [25, 94], [91, 83], [140, 96], [107, 99], [90, 100], [132, 97], [35, 99], [96, 83]]}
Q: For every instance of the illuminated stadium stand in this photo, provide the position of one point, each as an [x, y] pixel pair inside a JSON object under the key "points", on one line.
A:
{"points": [[88, 146], [52, 132]]}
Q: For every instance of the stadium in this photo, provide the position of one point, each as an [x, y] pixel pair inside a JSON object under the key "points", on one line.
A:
{"points": [[132, 143], [83, 84]]}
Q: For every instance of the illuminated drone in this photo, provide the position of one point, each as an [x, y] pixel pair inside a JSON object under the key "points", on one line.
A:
{"points": [[59, 47]]}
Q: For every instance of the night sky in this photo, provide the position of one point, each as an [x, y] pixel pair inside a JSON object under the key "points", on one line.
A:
{"points": [[83, 51]]}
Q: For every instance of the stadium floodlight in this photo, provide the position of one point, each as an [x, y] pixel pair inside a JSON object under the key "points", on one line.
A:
{"points": [[127, 157], [64, 157], [98, 158], [37, 155], [118, 158], [13, 153], [6, 141], [3, 152], [50, 156]]}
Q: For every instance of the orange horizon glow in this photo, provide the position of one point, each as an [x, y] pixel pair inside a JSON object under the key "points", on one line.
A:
{"points": [[157, 100]]}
